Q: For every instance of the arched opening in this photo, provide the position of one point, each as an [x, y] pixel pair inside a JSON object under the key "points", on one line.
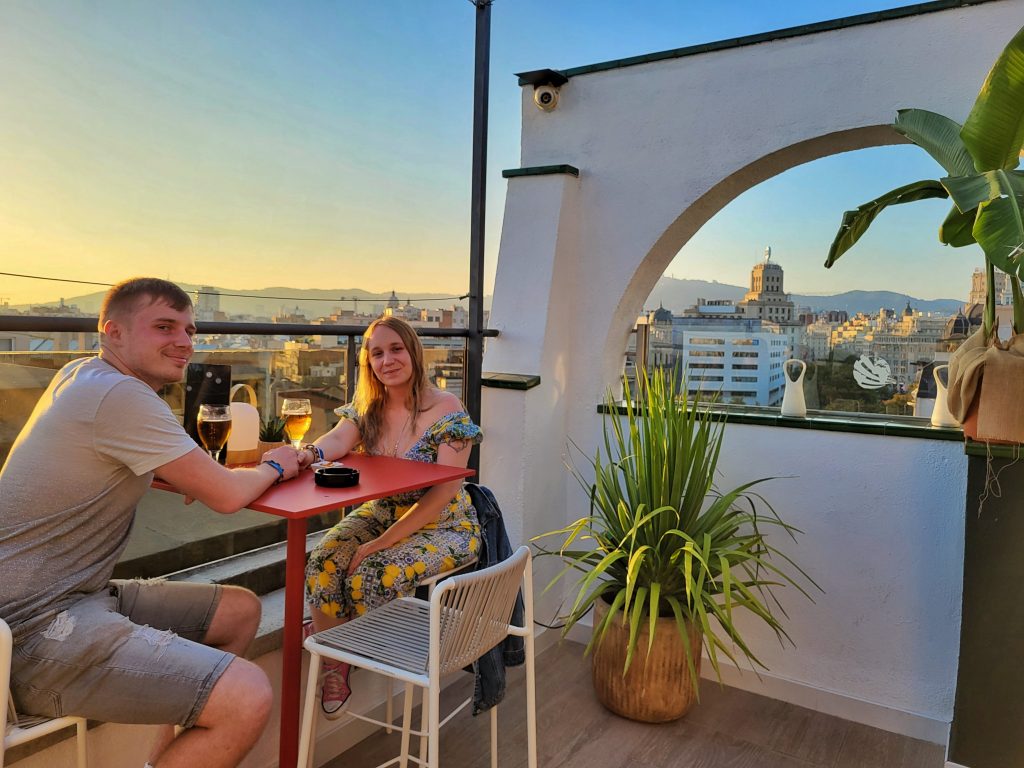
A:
{"points": [[747, 290]]}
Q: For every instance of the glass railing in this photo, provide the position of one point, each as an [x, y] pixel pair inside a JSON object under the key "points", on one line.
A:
{"points": [[742, 363], [167, 535]]}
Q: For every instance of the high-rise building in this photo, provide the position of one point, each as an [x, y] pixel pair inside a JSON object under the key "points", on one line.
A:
{"points": [[737, 359], [1004, 294], [767, 299], [207, 302]]}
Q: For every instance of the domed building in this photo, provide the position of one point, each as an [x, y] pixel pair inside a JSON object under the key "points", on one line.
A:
{"points": [[661, 316], [767, 299]]}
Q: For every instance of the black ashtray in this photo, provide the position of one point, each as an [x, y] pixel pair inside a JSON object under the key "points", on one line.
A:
{"points": [[336, 477]]}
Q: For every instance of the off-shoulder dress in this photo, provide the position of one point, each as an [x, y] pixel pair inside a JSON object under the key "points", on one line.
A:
{"points": [[396, 571]]}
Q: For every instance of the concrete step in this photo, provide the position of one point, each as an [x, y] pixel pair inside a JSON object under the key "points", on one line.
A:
{"points": [[150, 562], [260, 570]]}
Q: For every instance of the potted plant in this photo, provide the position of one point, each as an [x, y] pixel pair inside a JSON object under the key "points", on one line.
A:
{"points": [[271, 433], [669, 557], [980, 159]]}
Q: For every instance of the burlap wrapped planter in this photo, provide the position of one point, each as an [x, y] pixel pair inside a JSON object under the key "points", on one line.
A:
{"points": [[655, 689]]}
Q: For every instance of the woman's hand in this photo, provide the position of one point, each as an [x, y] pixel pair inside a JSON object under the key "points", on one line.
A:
{"points": [[306, 457], [362, 552]]}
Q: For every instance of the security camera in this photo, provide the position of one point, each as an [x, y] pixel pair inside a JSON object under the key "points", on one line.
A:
{"points": [[545, 97], [546, 83]]}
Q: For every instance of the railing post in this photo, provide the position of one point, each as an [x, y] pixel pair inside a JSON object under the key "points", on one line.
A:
{"points": [[475, 342], [350, 368]]}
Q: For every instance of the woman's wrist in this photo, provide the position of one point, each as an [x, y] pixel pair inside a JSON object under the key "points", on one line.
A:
{"points": [[315, 451]]}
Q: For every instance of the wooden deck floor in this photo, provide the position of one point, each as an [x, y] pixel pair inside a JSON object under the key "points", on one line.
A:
{"points": [[728, 729]]}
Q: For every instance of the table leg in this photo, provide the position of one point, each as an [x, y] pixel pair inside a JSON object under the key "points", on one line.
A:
{"points": [[291, 667]]}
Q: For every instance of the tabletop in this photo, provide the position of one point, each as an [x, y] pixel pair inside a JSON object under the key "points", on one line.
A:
{"points": [[379, 476]]}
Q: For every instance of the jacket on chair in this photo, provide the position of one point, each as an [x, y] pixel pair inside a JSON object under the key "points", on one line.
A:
{"points": [[490, 668]]}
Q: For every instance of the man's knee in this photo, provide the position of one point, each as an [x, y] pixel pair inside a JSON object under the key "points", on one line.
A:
{"points": [[235, 621], [243, 696], [242, 603]]}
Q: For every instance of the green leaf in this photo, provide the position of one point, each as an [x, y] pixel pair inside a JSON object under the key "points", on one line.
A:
{"points": [[652, 613], [938, 136], [968, 192], [956, 229], [856, 223], [999, 229], [994, 131], [635, 615], [682, 626], [601, 629]]}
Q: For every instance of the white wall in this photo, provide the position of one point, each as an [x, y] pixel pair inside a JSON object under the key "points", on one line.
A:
{"points": [[883, 523]]}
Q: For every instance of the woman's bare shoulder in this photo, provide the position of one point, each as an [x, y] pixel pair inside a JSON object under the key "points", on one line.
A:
{"points": [[439, 403]]}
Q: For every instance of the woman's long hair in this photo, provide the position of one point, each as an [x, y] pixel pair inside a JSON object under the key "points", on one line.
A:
{"points": [[371, 394]]}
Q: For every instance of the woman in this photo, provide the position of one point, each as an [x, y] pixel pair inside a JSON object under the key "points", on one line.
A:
{"points": [[383, 549]]}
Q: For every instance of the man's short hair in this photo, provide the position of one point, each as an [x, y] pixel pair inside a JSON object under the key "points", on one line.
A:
{"points": [[126, 296]]}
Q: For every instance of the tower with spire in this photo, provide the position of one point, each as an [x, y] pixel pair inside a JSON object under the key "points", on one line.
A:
{"points": [[766, 299]]}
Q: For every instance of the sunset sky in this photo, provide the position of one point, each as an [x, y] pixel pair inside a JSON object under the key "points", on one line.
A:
{"points": [[328, 144]]}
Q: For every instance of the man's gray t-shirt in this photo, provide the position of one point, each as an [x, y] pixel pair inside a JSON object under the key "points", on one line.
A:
{"points": [[70, 486]]}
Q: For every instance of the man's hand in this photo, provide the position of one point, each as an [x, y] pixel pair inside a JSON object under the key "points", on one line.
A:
{"points": [[287, 457]]}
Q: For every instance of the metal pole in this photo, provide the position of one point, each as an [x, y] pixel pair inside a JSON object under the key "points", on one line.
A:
{"points": [[475, 342], [351, 353]]}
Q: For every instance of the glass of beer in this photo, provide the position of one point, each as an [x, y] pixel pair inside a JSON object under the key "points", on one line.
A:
{"points": [[214, 426], [298, 415]]}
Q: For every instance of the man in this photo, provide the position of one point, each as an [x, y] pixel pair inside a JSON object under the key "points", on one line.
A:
{"points": [[128, 652]]}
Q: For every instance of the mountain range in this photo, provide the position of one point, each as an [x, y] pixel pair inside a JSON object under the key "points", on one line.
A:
{"points": [[674, 294], [266, 302], [677, 295]]}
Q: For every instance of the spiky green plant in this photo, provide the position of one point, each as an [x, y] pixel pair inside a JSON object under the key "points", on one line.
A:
{"points": [[272, 429], [665, 541]]}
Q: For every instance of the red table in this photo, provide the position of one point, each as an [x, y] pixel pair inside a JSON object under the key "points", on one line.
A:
{"points": [[297, 499]]}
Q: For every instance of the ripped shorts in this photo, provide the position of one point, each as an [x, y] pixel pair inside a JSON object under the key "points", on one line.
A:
{"points": [[131, 653]]}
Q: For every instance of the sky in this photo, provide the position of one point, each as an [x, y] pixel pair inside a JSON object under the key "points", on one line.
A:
{"points": [[251, 144]]}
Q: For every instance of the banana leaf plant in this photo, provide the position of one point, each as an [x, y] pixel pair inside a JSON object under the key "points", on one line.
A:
{"points": [[980, 159], [661, 539]]}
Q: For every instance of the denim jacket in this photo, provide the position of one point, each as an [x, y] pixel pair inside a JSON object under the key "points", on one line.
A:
{"points": [[490, 668]]}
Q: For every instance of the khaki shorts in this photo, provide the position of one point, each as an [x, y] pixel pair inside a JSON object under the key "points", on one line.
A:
{"points": [[131, 653]]}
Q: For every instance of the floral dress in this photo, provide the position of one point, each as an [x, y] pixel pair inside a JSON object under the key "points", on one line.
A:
{"points": [[398, 570]]}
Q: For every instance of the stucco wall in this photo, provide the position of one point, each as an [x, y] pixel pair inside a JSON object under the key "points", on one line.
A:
{"points": [[883, 535]]}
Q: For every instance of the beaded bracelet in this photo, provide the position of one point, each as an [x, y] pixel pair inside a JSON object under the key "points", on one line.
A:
{"points": [[318, 452], [276, 466]]}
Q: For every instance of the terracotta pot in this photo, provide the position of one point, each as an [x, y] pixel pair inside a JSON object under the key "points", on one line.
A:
{"points": [[654, 690]]}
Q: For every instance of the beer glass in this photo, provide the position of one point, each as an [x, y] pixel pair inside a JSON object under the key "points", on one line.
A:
{"points": [[214, 426], [298, 415]]}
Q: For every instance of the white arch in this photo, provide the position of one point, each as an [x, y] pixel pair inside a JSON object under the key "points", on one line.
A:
{"points": [[662, 146]]}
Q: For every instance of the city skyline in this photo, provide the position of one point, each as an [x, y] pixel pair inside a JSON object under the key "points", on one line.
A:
{"points": [[209, 144], [357, 299]]}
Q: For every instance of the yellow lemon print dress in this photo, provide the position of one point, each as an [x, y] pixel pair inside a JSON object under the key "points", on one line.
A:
{"points": [[396, 571]]}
